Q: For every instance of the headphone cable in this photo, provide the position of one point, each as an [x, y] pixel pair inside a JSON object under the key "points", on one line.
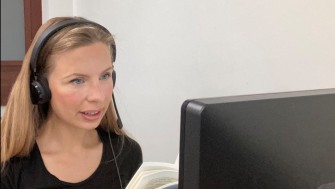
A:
{"points": [[117, 167]]}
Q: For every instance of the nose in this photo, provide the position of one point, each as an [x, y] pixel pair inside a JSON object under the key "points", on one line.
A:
{"points": [[96, 92]]}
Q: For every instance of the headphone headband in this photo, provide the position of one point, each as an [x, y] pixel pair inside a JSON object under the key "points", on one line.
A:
{"points": [[50, 31]]}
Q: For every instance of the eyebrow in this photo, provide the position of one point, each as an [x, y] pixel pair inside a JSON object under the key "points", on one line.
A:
{"points": [[83, 75]]}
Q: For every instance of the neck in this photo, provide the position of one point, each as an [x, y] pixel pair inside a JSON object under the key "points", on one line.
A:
{"points": [[55, 137]]}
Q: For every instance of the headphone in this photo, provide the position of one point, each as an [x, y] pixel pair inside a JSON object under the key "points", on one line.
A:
{"points": [[39, 88]]}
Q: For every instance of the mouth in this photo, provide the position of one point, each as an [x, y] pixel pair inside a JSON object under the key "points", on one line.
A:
{"points": [[91, 115]]}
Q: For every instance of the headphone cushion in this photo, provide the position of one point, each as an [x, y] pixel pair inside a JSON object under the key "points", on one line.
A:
{"points": [[39, 91]]}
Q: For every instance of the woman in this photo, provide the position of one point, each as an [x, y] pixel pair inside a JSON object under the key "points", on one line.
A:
{"points": [[61, 128]]}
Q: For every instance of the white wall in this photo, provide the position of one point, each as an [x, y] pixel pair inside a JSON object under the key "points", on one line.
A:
{"points": [[52, 8], [170, 50], [3, 108]]}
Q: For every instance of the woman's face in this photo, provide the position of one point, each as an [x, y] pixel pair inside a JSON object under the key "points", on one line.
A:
{"points": [[81, 85]]}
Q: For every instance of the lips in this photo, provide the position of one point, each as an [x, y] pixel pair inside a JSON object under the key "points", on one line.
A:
{"points": [[91, 115]]}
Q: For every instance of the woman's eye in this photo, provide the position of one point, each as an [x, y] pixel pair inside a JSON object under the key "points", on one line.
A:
{"points": [[77, 81], [105, 76]]}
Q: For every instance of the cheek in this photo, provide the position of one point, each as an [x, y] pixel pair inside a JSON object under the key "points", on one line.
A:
{"points": [[65, 98], [108, 91]]}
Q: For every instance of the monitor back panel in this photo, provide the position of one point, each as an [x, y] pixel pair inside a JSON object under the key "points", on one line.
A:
{"points": [[277, 141]]}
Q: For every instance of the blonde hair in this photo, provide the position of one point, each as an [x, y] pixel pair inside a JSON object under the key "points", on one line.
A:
{"points": [[22, 119]]}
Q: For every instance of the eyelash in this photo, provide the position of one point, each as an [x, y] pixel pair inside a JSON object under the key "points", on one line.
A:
{"points": [[106, 74], [78, 81]]}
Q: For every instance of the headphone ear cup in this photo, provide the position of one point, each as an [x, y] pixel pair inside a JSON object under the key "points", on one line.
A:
{"points": [[39, 91], [114, 77]]}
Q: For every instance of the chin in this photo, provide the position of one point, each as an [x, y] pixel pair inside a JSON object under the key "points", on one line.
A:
{"points": [[89, 125]]}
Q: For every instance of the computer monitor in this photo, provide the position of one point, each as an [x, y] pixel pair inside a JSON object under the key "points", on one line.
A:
{"points": [[278, 141]]}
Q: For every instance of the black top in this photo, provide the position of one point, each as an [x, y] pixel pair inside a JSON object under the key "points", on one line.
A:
{"points": [[30, 172]]}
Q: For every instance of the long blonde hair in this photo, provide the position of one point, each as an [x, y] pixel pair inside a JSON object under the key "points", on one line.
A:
{"points": [[22, 119]]}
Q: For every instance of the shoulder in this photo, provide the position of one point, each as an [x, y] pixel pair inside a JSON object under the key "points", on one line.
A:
{"points": [[25, 172], [127, 151], [11, 172], [130, 159], [14, 165], [123, 145], [132, 149]]}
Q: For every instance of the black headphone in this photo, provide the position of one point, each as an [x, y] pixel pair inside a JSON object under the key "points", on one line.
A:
{"points": [[39, 87]]}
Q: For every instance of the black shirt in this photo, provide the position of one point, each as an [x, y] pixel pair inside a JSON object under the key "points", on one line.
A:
{"points": [[30, 172]]}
